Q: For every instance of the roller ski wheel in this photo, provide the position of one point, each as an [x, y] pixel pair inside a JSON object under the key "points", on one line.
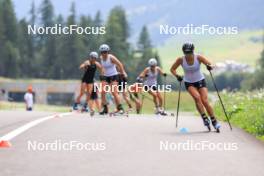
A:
{"points": [[118, 113]]}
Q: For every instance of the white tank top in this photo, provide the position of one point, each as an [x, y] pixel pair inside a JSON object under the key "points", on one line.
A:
{"points": [[109, 67], [192, 73], [151, 79]]}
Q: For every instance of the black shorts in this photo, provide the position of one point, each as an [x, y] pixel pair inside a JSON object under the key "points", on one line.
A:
{"points": [[198, 84], [87, 80], [122, 82], [94, 95], [113, 78], [153, 87]]}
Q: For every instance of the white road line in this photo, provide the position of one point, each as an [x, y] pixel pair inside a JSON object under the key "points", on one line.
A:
{"points": [[9, 136]]}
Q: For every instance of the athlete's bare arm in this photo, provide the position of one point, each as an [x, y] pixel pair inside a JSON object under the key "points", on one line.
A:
{"points": [[99, 66], [144, 73], [119, 65], [176, 64], [160, 70], [84, 64], [204, 60]]}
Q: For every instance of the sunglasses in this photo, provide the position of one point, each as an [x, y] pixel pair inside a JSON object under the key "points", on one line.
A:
{"points": [[104, 52]]}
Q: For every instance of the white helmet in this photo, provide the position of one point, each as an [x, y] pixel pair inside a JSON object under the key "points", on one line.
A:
{"points": [[152, 62], [93, 54], [104, 47]]}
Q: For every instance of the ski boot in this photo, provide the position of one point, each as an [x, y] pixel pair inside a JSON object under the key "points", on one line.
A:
{"points": [[216, 125], [120, 110], [85, 108], [162, 112], [157, 111], [104, 111], [75, 106], [206, 122]]}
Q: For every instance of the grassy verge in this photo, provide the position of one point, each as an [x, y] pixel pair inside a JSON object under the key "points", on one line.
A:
{"points": [[246, 111], [186, 103]]}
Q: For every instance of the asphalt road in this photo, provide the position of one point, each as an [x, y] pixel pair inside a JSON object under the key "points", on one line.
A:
{"points": [[121, 146]]}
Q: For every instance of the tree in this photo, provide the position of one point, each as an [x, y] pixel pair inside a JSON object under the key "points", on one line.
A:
{"points": [[47, 42], [25, 47], [144, 42], [144, 47], [8, 36], [9, 21], [72, 49], [117, 33]]}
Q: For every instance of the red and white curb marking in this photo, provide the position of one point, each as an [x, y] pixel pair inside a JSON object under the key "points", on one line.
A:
{"points": [[4, 140]]}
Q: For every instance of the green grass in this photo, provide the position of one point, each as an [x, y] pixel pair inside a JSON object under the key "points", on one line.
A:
{"points": [[244, 47], [246, 111]]}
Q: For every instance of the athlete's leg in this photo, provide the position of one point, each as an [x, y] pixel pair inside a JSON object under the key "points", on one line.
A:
{"points": [[97, 104], [103, 93], [204, 97], [114, 90], [197, 98], [82, 91], [154, 96], [103, 98], [159, 97], [126, 98], [199, 105], [89, 88]]}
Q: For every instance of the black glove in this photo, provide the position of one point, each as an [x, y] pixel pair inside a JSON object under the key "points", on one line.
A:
{"points": [[179, 78], [164, 74], [139, 80], [102, 78], [209, 67]]}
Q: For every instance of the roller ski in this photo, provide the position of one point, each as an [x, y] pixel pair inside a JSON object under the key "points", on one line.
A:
{"points": [[120, 112], [160, 111], [92, 113]]}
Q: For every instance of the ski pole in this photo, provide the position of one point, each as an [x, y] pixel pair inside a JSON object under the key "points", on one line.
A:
{"points": [[178, 104], [164, 93], [220, 100]]}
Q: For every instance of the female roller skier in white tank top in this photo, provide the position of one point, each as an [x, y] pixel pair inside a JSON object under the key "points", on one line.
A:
{"points": [[194, 81], [111, 77], [151, 74]]}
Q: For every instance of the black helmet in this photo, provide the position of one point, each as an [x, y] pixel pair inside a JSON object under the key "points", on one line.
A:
{"points": [[188, 48]]}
